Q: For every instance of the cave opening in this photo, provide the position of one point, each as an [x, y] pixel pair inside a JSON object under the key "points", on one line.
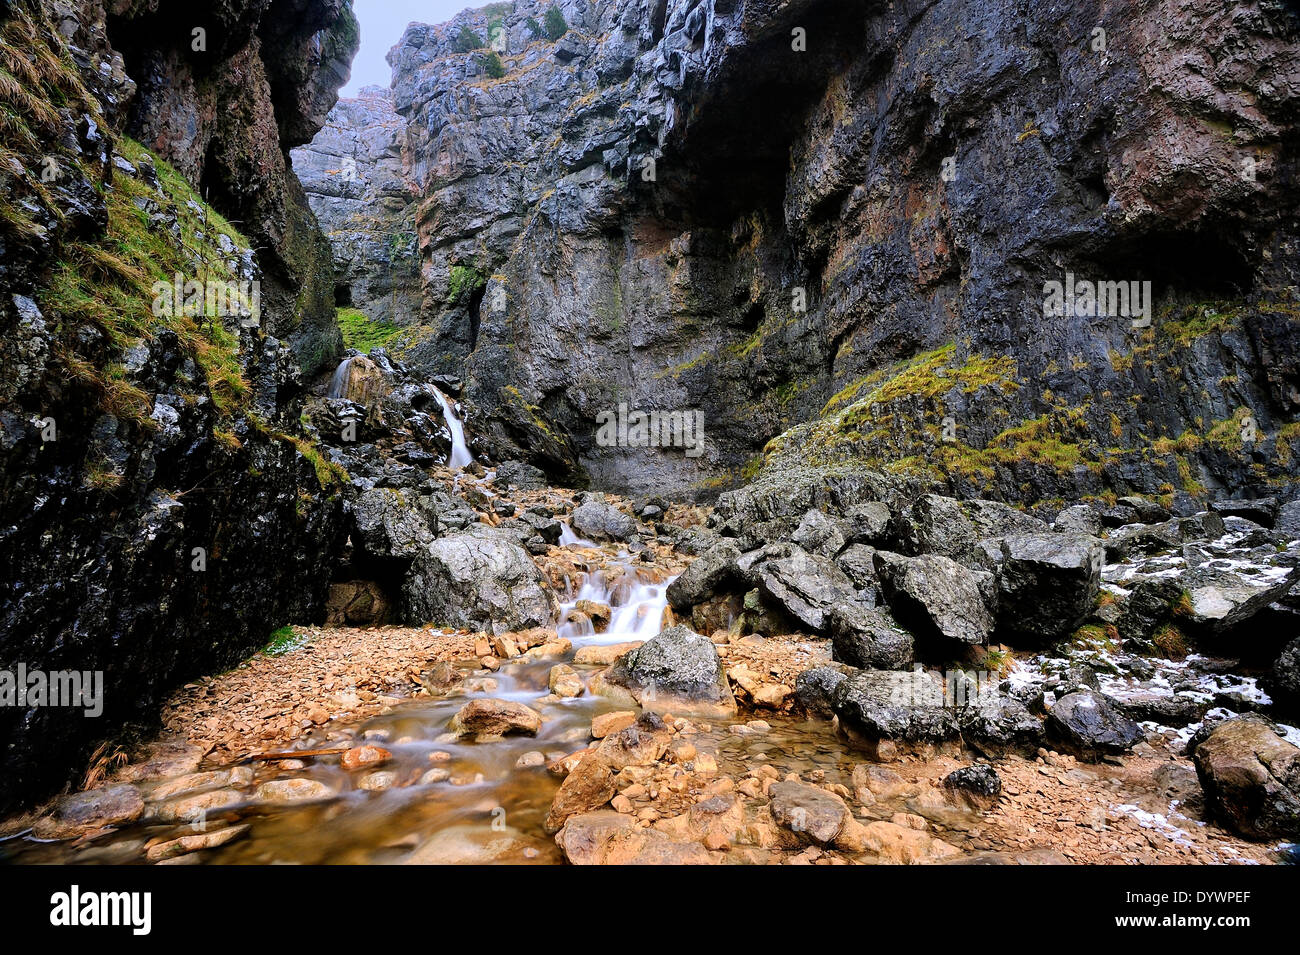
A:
{"points": [[475, 314], [342, 295]]}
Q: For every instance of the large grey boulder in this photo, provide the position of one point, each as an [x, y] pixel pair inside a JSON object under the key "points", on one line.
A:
{"points": [[934, 596], [677, 664], [1251, 778], [708, 573], [868, 637], [598, 520], [386, 526], [899, 706], [1047, 584], [478, 579], [809, 588], [1084, 723]]}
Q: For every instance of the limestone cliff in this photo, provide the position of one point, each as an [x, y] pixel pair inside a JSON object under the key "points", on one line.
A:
{"points": [[162, 510], [849, 214]]}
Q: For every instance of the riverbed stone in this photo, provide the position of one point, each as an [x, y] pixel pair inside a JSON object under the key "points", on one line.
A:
{"points": [[810, 812], [676, 665], [1085, 723], [489, 718], [1251, 777], [94, 809]]}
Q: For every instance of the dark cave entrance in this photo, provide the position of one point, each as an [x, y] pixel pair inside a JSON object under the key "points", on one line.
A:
{"points": [[342, 295]]}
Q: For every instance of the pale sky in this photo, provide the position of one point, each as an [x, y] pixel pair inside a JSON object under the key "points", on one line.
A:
{"points": [[382, 23]]}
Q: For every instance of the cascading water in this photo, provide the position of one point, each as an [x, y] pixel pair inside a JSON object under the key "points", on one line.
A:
{"points": [[340, 378], [460, 456]]}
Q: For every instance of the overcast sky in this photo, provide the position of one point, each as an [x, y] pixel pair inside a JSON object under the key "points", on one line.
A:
{"points": [[382, 23]]}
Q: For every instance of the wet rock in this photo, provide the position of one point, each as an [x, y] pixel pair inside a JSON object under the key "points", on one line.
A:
{"points": [[564, 681], [1163, 708], [810, 812], [643, 743], [1251, 778], [979, 786], [677, 664], [1084, 723], [598, 613], [598, 520], [713, 569], [378, 781], [1047, 584], [899, 707], [359, 757], [589, 785], [93, 809], [868, 637], [611, 838], [1000, 726], [814, 690], [605, 653], [293, 790], [478, 579], [469, 844], [196, 807], [714, 822], [936, 597], [189, 783], [607, 723], [488, 719], [195, 843], [818, 534]]}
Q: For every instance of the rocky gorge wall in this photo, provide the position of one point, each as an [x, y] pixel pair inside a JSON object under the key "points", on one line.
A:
{"points": [[843, 217], [163, 511]]}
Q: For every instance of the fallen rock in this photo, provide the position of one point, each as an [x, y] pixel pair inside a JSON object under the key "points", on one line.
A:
{"points": [[978, 786], [478, 579], [193, 843], [598, 520], [896, 706], [612, 722], [612, 838], [810, 812], [677, 665], [1047, 584], [488, 719], [589, 785], [900, 845], [564, 681], [936, 596], [1084, 723], [814, 690], [706, 575], [1251, 778], [292, 790], [604, 654], [868, 637], [83, 812]]}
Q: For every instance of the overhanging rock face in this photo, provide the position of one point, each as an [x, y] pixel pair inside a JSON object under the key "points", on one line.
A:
{"points": [[802, 213]]}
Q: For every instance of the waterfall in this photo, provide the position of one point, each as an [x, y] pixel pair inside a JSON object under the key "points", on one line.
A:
{"points": [[340, 378], [460, 455]]}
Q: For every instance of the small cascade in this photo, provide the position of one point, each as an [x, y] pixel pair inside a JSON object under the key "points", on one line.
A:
{"points": [[637, 608], [569, 539], [460, 456], [339, 382]]}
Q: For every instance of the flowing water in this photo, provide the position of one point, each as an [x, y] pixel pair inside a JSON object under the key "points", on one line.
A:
{"points": [[339, 382], [460, 456], [487, 808]]}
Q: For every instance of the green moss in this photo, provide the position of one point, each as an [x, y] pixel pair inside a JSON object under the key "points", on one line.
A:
{"points": [[363, 333], [1192, 321], [284, 640], [463, 281]]}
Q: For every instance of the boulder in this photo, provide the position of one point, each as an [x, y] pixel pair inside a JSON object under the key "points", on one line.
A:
{"points": [[999, 726], [715, 567], [868, 637], [978, 786], [93, 809], [936, 597], [1287, 525], [1220, 600], [1085, 723], [1284, 680], [818, 534], [814, 690], [385, 527], [898, 706], [1078, 519], [598, 520], [1047, 584], [488, 719], [612, 838], [810, 812], [1251, 778], [1261, 510], [808, 588], [677, 665], [478, 579], [589, 785]]}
